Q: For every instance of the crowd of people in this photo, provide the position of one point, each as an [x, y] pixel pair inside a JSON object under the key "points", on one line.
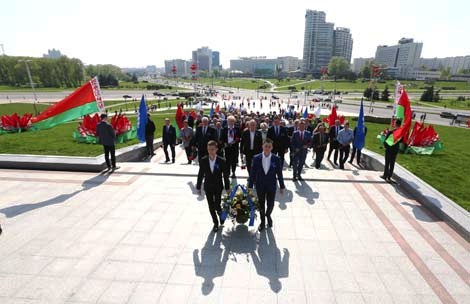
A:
{"points": [[240, 135]]}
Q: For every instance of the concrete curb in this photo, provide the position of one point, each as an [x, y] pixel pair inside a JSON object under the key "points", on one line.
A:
{"points": [[73, 163], [440, 205]]}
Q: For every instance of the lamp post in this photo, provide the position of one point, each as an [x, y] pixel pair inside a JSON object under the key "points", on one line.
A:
{"points": [[32, 85]]}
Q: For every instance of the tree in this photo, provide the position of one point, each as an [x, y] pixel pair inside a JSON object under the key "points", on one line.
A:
{"points": [[367, 93], [445, 73], [430, 95], [365, 70], [134, 78], [385, 94], [338, 67]]}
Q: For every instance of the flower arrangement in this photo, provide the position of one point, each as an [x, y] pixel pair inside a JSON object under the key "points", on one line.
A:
{"points": [[14, 123], [86, 130], [240, 205]]}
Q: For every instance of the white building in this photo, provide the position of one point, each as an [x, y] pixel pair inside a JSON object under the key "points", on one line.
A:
{"points": [[343, 43], [404, 56], [456, 64], [359, 63], [290, 63], [181, 66]]}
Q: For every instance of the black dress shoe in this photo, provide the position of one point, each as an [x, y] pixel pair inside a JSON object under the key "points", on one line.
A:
{"points": [[383, 177], [173, 161], [270, 222], [215, 228], [115, 168], [233, 175], [300, 178], [167, 161], [336, 164], [294, 178], [261, 227]]}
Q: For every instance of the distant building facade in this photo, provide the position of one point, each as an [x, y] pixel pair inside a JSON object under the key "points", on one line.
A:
{"points": [[343, 43], [202, 57], [404, 57], [262, 66], [216, 60], [456, 64], [181, 66], [322, 41], [359, 63]]}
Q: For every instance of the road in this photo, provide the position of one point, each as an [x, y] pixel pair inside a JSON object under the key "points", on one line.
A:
{"points": [[350, 103]]}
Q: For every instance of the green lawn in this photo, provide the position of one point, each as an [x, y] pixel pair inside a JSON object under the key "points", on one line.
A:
{"points": [[59, 141], [359, 86], [20, 108], [4, 88], [443, 170], [235, 83]]}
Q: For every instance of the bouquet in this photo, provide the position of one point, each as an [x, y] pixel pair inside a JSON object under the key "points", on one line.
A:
{"points": [[240, 205]]}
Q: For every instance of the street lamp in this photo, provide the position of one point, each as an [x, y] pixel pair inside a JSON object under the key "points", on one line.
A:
{"points": [[31, 83]]}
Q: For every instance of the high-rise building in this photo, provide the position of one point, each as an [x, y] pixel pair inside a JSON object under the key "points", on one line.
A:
{"points": [[322, 41], [318, 41], [202, 57], [215, 60], [402, 58], [343, 43]]}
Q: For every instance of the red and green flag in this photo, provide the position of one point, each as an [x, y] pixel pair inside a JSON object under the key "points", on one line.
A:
{"points": [[179, 117], [85, 100], [403, 112]]}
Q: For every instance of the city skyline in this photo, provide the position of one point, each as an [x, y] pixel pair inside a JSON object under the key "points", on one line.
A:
{"points": [[165, 30]]}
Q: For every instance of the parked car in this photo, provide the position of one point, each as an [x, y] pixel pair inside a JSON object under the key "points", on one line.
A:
{"points": [[274, 97]]}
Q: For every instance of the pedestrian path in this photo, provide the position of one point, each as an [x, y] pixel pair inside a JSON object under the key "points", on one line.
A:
{"points": [[143, 235]]}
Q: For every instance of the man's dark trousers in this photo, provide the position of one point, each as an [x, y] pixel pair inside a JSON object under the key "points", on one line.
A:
{"points": [[107, 151]]}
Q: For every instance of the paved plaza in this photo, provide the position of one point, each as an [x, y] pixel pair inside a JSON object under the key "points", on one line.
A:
{"points": [[143, 235]]}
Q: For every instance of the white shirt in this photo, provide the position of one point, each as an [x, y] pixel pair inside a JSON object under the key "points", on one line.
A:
{"points": [[252, 140], [266, 163], [212, 164]]}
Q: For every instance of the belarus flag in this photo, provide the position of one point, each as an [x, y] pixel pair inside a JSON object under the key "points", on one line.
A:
{"points": [[85, 100]]}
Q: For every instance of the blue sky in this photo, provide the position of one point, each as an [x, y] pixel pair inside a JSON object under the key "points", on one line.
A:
{"points": [[139, 32]]}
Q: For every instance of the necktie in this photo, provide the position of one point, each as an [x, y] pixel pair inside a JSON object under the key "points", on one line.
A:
{"points": [[301, 136], [277, 131], [204, 131]]}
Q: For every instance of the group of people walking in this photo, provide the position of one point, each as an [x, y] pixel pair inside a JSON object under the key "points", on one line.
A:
{"points": [[260, 142]]}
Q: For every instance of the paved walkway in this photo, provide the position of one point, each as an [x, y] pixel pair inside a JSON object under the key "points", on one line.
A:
{"points": [[142, 235]]}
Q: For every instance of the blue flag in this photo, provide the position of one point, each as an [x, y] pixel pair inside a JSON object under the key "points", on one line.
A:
{"points": [[306, 113], [212, 110], [359, 137], [142, 120]]}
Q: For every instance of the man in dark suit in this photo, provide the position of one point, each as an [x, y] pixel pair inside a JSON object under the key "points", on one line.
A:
{"points": [[391, 153], [169, 139], [334, 145], [266, 171], [251, 144], [320, 141], [218, 131], [149, 135], [278, 134], [107, 137], [290, 132], [301, 141], [231, 139], [214, 171], [204, 134]]}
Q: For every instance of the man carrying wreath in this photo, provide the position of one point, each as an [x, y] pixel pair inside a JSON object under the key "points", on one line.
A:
{"points": [[266, 169], [212, 168]]}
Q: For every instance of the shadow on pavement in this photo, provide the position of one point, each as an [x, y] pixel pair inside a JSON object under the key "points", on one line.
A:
{"points": [[16, 210]]}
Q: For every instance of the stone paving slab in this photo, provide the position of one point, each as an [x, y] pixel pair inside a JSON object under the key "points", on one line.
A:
{"points": [[142, 235]]}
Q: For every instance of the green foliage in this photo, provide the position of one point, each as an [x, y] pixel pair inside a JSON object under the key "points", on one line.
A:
{"points": [[338, 66], [108, 75], [385, 95], [430, 95], [45, 72]]}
